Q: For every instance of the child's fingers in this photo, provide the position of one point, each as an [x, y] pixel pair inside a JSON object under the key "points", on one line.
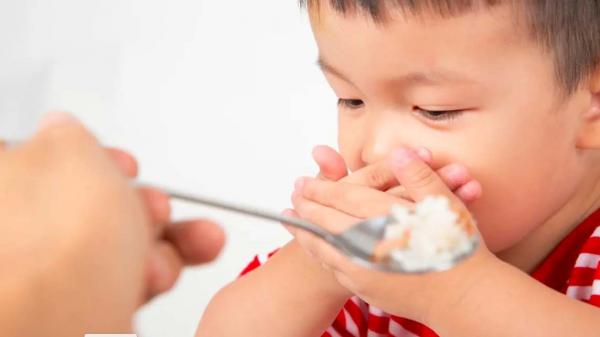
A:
{"points": [[424, 154], [379, 175], [455, 176], [292, 214], [330, 219], [470, 191], [417, 176], [331, 164], [357, 201], [196, 241]]}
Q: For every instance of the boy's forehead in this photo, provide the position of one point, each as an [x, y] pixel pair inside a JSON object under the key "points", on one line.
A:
{"points": [[427, 40], [500, 20]]}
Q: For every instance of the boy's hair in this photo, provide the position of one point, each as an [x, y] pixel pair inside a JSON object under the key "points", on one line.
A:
{"points": [[569, 29]]}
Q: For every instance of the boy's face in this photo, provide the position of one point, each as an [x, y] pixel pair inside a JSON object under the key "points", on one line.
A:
{"points": [[474, 89]]}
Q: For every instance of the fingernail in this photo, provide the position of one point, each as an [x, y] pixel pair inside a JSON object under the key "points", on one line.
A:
{"points": [[403, 157], [55, 119], [424, 153]]}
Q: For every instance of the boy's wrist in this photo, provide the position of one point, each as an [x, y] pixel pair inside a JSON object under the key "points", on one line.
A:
{"points": [[326, 278], [467, 290]]}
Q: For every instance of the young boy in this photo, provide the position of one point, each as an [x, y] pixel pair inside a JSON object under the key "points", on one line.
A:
{"points": [[509, 89]]}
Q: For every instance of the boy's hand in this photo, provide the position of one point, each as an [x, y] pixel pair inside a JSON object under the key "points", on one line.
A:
{"points": [[335, 206], [379, 175]]}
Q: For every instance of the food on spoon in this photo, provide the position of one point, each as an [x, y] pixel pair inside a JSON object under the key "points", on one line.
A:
{"points": [[430, 237]]}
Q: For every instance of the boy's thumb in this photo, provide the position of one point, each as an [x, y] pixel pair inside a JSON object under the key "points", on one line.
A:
{"points": [[416, 176]]}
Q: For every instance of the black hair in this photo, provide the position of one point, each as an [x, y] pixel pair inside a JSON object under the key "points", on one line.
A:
{"points": [[569, 29]]}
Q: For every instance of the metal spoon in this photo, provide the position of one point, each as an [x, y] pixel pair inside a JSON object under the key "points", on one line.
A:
{"points": [[357, 242]]}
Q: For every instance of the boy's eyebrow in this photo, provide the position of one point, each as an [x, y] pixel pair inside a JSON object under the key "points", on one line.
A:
{"points": [[326, 67], [434, 77]]}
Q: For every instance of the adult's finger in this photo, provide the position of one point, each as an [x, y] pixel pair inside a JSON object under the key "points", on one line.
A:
{"points": [[164, 268], [125, 161], [331, 164], [196, 241], [158, 207], [57, 118], [64, 130]]}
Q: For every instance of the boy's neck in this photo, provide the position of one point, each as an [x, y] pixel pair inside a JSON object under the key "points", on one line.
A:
{"points": [[532, 250]]}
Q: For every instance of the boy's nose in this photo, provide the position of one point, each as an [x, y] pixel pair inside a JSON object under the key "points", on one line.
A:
{"points": [[380, 139]]}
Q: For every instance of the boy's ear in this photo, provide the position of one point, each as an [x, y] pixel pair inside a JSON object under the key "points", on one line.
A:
{"points": [[589, 135]]}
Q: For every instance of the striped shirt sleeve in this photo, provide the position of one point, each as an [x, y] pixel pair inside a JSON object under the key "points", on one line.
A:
{"points": [[359, 319], [584, 281]]}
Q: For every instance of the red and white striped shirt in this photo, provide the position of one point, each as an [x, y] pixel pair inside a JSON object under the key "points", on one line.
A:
{"points": [[571, 268]]}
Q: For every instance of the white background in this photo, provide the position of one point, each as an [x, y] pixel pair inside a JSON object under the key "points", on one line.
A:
{"points": [[217, 97]]}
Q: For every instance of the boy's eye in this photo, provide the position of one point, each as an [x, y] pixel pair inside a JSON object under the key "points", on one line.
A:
{"points": [[351, 103], [438, 115]]}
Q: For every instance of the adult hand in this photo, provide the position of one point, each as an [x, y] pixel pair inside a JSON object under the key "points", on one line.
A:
{"points": [[80, 248]]}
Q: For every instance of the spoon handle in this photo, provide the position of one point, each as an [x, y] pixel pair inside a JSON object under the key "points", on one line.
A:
{"points": [[206, 201], [255, 212]]}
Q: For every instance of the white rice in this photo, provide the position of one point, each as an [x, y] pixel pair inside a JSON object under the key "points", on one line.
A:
{"points": [[435, 237]]}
